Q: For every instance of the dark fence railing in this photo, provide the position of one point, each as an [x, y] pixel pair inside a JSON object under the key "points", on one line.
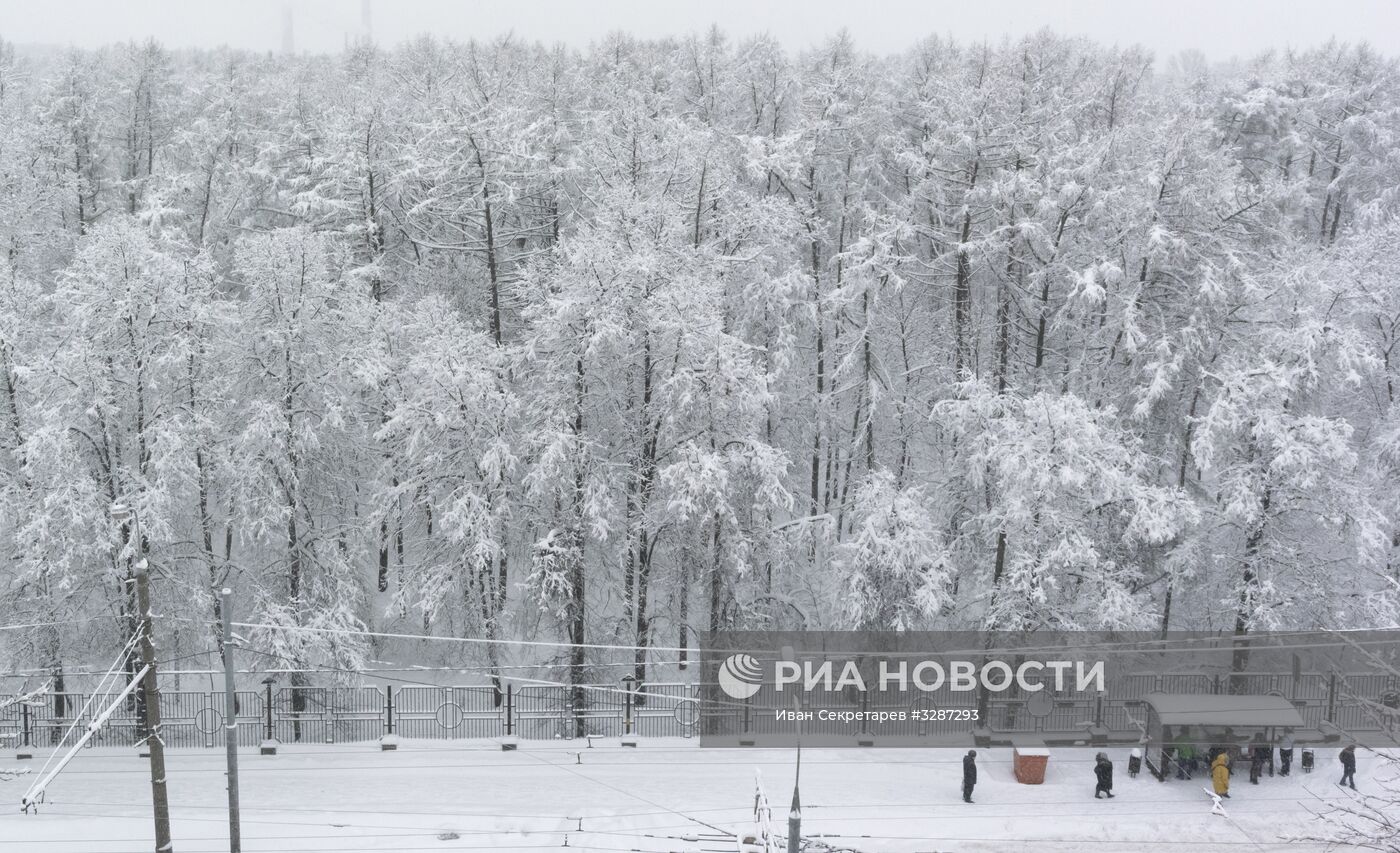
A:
{"points": [[316, 714], [188, 719]]}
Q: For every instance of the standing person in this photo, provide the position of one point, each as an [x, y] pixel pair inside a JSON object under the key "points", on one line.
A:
{"points": [[1285, 752], [1233, 748], [1259, 754], [1218, 748], [1186, 754], [1348, 758], [969, 774], [1220, 774], [1103, 772], [1185, 761]]}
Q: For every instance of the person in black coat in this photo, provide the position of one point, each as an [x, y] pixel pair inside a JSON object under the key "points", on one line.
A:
{"points": [[969, 774], [1259, 755], [1103, 772], [1348, 758]]}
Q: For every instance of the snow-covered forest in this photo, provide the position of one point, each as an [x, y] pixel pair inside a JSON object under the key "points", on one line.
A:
{"points": [[621, 345]]}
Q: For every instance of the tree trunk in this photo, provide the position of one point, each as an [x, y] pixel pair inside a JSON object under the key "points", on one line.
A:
{"points": [[493, 280], [718, 621], [577, 607], [962, 292], [1249, 586], [1181, 484]]}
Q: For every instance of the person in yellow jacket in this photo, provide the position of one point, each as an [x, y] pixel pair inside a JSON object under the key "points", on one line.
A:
{"points": [[1220, 774]]}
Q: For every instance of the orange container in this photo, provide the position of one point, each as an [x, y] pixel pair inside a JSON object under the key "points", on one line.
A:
{"points": [[1029, 764]]}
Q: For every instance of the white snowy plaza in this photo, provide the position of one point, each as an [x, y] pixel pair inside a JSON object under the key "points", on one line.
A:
{"points": [[664, 795]]}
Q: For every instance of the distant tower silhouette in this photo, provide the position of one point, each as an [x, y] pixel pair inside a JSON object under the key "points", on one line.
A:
{"points": [[288, 40]]}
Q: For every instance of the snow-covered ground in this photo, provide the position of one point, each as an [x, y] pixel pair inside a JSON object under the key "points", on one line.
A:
{"points": [[665, 795]]}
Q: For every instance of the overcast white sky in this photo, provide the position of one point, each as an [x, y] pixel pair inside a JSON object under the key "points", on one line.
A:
{"points": [[1219, 28]]}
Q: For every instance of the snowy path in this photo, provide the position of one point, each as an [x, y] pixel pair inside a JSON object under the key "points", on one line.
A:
{"points": [[666, 795]]}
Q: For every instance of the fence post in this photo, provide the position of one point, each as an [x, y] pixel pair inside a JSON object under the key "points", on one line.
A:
{"points": [[269, 744], [389, 742], [629, 683], [508, 742], [1332, 698], [24, 722], [267, 708]]}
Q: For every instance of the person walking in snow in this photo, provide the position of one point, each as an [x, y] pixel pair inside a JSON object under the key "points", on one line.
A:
{"points": [[1285, 752], [1103, 771], [1348, 758], [969, 774], [1220, 774]]}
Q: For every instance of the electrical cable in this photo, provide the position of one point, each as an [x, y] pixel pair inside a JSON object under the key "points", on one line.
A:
{"points": [[47, 624], [1134, 647], [116, 666]]}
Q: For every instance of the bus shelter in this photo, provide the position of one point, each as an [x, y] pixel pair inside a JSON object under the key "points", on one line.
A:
{"points": [[1185, 731]]}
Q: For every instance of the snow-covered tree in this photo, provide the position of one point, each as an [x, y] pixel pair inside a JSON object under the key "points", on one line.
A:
{"points": [[305, 353], [1066, 502], [613, 347]]}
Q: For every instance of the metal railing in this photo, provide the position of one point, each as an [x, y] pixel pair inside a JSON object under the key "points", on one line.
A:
{"points": [[321, 714]]}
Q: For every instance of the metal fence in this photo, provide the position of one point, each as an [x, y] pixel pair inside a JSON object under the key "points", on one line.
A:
{"points": [[446, 712], [316, 714], [188, 719]]}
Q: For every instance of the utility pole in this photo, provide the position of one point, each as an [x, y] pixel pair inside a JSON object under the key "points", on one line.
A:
{"points": [[235, 840], [794, 839], [154, 745]]}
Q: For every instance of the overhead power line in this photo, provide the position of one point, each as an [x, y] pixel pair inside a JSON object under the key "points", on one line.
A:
{"points": [[1100, 649], [46, 624]]}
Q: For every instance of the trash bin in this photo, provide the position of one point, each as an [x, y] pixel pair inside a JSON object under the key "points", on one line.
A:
{"points": [[1029, 764], [1307, 762], [1134, 763]]}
